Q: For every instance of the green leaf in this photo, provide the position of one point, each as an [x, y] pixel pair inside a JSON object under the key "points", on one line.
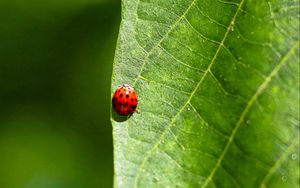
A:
{"points": [[218, 86]]}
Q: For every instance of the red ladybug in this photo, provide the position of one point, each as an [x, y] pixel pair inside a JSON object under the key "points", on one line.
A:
{"points": [[125, 100]]}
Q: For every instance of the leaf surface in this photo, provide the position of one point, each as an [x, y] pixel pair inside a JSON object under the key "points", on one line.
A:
{"points": [[218, 83]]}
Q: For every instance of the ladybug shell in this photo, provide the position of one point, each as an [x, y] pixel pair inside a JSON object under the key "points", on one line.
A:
{"points": [[125, 100]]}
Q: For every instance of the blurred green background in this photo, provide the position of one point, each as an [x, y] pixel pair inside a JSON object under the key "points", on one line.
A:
{"points": [[55, 67]]}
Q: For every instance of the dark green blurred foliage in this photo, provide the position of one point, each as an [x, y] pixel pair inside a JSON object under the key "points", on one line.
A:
{"points": [[55, 66]]}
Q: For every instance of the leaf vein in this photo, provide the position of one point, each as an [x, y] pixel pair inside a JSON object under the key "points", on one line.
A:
{"points": [[155, 146], [279, 162], [227, 93], [179, 61], [162, 39], [182, 167], [207, 124], [211, 19], [154, 22], [200, 34], [228, 2]]}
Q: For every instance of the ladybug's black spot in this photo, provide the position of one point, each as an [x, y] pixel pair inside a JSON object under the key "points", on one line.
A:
{"points": [[121, 95], [126, 104], [127, 96], [132, 99], [135, 100], [133, 106], [128, 112], [120, 104]]}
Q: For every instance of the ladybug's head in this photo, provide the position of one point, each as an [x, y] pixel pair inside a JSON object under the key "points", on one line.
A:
{"points": [[126, 86]]}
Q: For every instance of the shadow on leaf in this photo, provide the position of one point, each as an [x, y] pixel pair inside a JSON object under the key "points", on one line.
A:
{"points": [[119, 118]]}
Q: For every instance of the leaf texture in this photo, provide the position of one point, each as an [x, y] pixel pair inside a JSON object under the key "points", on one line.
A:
{"points": [[218, 83]]}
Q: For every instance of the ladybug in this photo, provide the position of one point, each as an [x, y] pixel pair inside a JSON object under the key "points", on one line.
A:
{"points": [[125, 100]]}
